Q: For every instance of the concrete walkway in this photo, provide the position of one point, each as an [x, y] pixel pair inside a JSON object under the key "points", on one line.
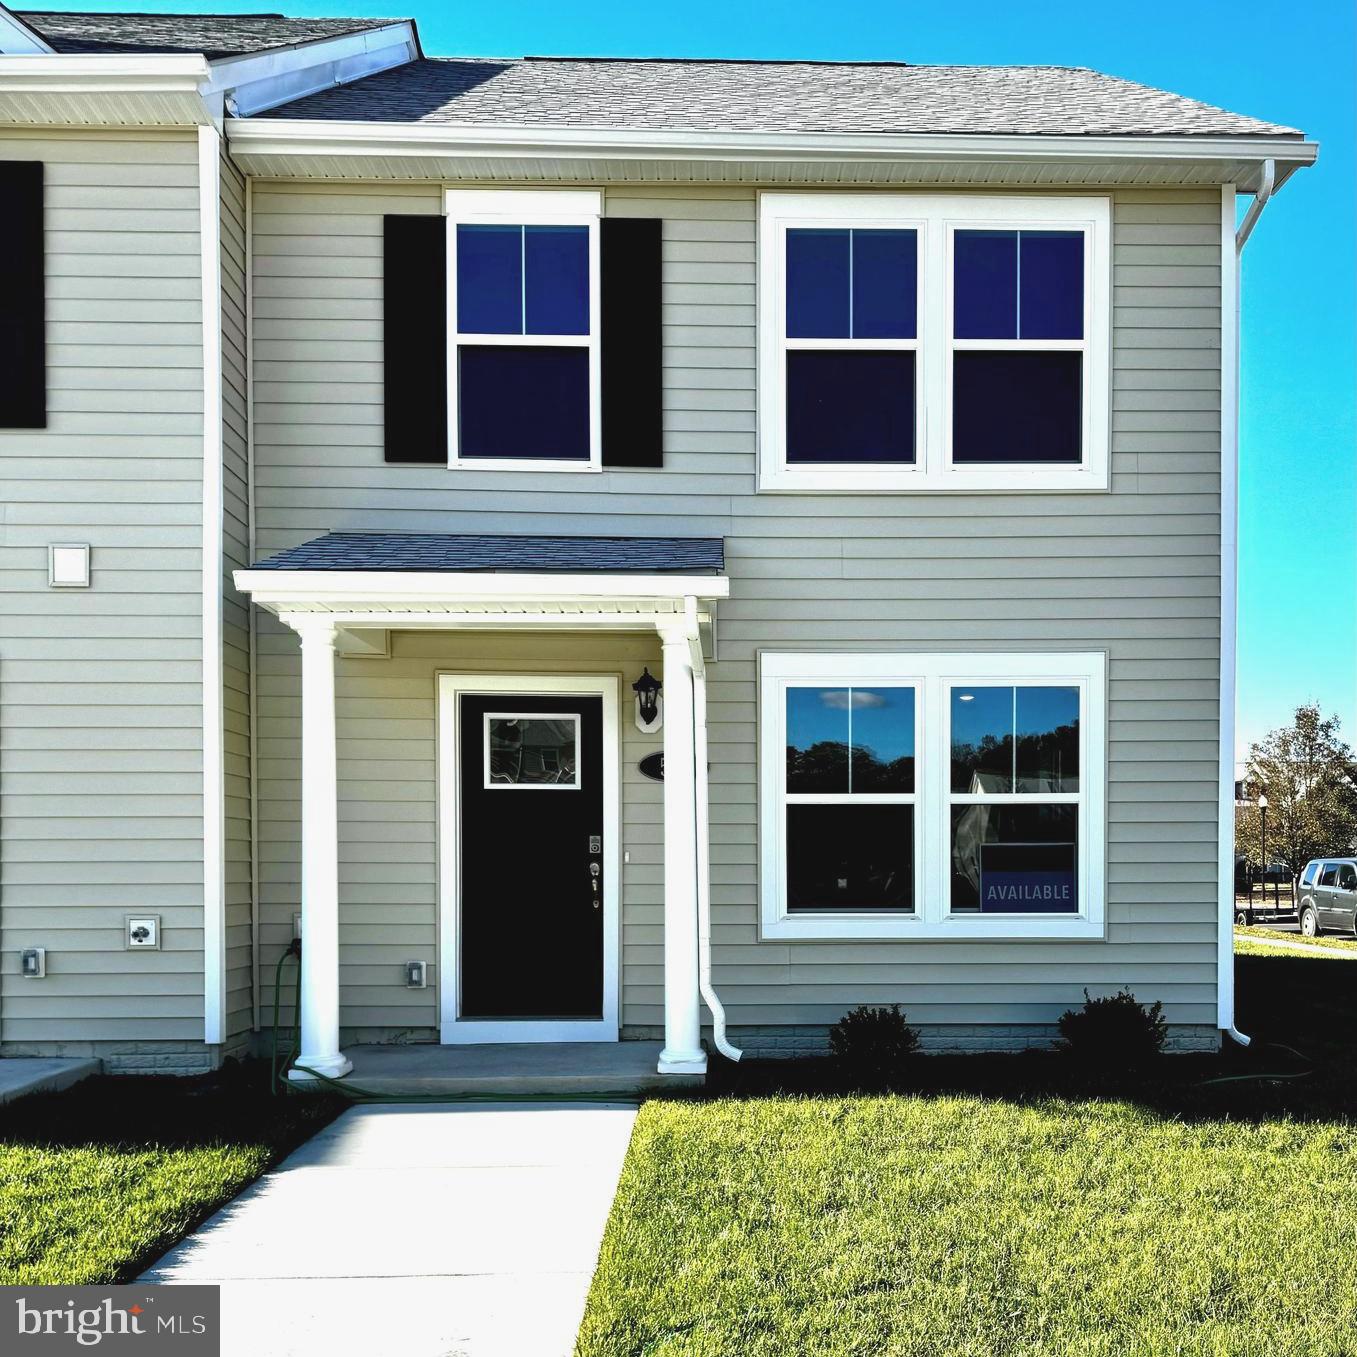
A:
{"points": [[462, 1230], [21, 1075]]}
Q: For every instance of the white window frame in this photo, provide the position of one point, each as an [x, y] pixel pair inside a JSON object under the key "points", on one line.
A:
{"points": [[933, 675], [525, 207], [936, 217], [491, 786]]}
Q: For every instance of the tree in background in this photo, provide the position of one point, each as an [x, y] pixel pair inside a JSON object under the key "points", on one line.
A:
{"points": [[1310, 779]]}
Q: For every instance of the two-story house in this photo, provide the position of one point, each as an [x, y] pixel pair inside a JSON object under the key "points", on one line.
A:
{"points": [[378, 430]]}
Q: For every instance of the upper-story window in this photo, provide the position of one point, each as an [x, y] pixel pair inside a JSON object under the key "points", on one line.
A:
{"points": [[912, 341], [523, 351]]}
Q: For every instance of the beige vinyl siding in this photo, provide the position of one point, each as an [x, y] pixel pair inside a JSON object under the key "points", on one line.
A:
{"points": [[1134, 572], [235, 614], [100, 688]]}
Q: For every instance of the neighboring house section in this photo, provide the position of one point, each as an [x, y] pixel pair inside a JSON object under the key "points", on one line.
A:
{"points": [[885, 413]]}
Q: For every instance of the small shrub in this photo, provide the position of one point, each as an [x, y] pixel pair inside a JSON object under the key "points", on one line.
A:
{"points": [[1116, 1030], [872, 1044]]}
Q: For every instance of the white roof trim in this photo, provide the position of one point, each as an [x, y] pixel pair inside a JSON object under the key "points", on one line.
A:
{"points": [[18, 38], [412, 150], [183, 89], [324, 137], [255, 81], [94, 72], [399, 598]]}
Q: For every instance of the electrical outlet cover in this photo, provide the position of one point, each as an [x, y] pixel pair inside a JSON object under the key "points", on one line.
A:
{"points": [[143, 932]]}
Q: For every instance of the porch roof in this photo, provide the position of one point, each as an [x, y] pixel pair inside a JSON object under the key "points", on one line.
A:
{"points": [[444, 580], [446, 551]]}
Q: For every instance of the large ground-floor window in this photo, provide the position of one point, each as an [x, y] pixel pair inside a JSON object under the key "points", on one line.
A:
{"points": [[932, 794]]}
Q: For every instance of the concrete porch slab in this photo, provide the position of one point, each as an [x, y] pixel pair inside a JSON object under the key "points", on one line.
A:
{"points": [[565, 1070], [21, 1075]]}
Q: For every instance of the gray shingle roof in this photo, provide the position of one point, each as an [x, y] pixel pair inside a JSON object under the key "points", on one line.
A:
{"points": [[777, 96], [212, 35], [456, 551]]}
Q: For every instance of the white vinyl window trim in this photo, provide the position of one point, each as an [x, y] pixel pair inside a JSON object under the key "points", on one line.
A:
{"points": [[933, 675], [526, 207], [936, 218]]}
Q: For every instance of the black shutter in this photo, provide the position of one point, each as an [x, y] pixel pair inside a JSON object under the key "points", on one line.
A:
{"points": [[23, 345], [633, 346], [415, 345]]}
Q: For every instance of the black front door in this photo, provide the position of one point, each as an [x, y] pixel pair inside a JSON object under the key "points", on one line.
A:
{"points": [[531, 898]]}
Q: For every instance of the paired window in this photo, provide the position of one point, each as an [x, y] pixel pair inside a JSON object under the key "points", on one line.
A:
{"points": [[933, 795], [523, 352], [915, 341]]}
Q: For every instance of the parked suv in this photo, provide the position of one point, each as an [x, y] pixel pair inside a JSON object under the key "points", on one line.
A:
{"points": [[1328, 896]]}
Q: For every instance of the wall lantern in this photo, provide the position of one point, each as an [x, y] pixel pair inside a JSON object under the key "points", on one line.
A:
{"points": [[649, 703]]}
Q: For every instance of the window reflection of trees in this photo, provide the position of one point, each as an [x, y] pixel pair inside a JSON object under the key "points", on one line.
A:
{"points": [[1048, 761], [824, 767]]}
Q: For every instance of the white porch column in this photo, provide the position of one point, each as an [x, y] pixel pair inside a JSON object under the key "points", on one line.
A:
{"points": [[320, 854], [683, 1053]]}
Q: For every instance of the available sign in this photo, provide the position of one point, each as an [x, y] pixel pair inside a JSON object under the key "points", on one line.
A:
{"points": [[1028, 878]]}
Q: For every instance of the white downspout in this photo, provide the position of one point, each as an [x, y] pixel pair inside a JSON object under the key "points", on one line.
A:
{"points": [[1229, 569], [704, 983]]}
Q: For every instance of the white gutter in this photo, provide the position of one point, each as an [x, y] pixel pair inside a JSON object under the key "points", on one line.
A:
{"points": [[99, 73], [297, 136], [704, 980], [1232, 244], [1260, 201], [214, 812]]}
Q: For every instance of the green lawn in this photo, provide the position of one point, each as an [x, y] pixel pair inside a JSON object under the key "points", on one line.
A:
{"points": [[1343, 941], [1009, 1207], [97, 1181]]}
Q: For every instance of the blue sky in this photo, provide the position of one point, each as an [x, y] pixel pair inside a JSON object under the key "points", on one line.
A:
{"points": [[1298, 516]]}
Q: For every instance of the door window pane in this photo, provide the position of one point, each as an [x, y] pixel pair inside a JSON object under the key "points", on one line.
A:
{"points": [[1048, 739], [556, 280], [1023, 406], [490, 280], [850, 406], [1052, 284], [1328, 874], [818, 293], [1347, 877], [523, 402], [1015, 859], [531, 751], [885, 284], [850, 857]]}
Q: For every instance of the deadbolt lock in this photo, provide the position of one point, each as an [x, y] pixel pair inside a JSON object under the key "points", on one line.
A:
{"points": [[595, 843]]}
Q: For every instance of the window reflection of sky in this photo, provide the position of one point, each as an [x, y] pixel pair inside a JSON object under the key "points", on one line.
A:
{"points": [[882, 719]]}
